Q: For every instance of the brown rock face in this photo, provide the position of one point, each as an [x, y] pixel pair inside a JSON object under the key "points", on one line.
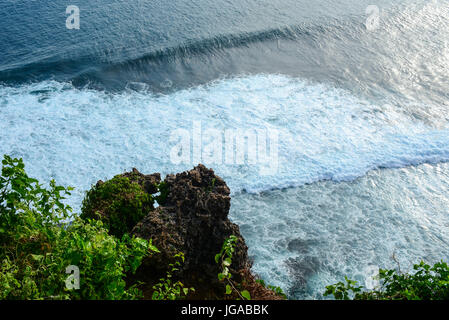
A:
{"points": [[194, 220]]}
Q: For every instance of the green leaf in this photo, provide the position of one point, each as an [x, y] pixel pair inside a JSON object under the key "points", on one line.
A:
{"points": [[228, 289], [245, 294]]}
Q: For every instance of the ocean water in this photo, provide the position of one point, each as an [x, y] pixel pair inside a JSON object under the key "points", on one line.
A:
{"points": [[360, 115]]}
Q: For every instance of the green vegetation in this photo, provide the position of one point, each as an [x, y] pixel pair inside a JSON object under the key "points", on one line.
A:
{"points": [[224, 259], [167, 288], [38, 243], [277, 290], [119, 203], [424, 283]]}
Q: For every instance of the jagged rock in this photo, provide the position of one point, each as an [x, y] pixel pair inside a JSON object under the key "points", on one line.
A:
{"points": [[193, 220]]}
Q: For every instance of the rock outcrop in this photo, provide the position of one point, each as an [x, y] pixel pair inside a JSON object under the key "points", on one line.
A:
{"points": [[192, 218]]}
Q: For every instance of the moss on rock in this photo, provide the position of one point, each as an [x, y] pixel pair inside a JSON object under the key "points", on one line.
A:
{"points": [[120, 203]]}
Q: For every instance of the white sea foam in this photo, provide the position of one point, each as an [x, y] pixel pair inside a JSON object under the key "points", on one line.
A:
{"points": [[79, 136], [303, 239]]}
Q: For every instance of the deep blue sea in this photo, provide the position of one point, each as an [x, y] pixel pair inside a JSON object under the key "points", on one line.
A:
{"points": [[360, 111]]}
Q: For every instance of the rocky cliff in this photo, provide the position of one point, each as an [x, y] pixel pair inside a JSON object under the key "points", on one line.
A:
{"points": [[192, 217]]}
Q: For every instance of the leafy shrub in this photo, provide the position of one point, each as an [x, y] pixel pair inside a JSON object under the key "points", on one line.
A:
{"points": [[38, 243], [119, 203], [224, 259], [167, 288], [424, 283]]}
